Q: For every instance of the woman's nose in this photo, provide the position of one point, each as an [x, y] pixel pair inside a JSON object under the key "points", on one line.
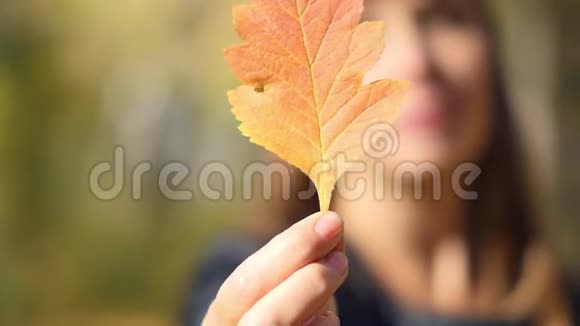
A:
{"points": [[411, 60]]}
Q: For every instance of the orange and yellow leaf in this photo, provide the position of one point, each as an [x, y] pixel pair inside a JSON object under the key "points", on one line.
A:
{"points": [[302, 63]]}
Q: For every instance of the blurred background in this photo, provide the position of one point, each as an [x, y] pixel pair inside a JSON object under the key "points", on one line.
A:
{"points": [[78, 77]]}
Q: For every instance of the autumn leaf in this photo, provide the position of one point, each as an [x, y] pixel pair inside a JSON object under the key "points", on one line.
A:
{"points": [[303, 62]]}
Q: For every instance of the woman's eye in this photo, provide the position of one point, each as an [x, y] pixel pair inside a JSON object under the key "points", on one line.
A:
{"points": [[448, 16]]}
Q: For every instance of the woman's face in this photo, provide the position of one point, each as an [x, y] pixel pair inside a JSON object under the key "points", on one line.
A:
{"points": [[440, 46]]}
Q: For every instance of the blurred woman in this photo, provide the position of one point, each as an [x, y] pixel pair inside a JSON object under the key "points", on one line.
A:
{"points": [[411, 261]]}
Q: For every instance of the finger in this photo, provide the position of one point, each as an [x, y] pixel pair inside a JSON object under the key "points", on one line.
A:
{"points": [[306, 241], [328, 318], [302, 295], [330, 305]]}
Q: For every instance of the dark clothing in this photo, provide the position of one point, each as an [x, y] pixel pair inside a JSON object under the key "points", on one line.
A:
{"points": [[359, 301]]}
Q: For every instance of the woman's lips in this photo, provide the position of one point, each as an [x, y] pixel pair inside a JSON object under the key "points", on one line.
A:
{"points": [[424, 112]]}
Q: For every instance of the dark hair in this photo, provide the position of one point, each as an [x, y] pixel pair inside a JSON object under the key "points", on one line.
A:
{"points": [[504, 211]]}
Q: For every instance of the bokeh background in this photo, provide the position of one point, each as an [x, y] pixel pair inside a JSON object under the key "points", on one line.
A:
{"points": [[78, 77]]}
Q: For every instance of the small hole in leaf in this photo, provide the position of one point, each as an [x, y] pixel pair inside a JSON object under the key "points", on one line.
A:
{"points": [[259, 89]]}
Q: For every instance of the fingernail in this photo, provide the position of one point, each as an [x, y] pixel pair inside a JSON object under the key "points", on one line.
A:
{"points": [[337, 261], [328, 314], [328, 225], [316, 320]]}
